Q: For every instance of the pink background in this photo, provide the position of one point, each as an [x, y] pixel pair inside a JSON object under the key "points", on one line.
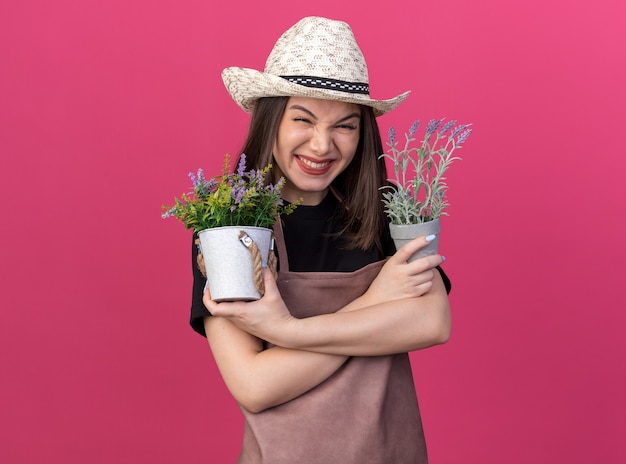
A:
{"points": [[105, 107]]}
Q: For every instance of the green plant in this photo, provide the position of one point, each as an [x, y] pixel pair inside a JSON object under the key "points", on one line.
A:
{"points": [[418, 190], [238, 199]]}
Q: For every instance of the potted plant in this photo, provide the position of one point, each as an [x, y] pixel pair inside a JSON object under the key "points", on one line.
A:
{"points": [[233, 215], [415, 200]]}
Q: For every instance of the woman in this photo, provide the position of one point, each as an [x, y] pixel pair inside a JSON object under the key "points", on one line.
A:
{"points": [[319, 365]]}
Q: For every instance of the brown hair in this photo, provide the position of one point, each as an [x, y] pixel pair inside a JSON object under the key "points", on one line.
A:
{"points": [[357, 187]]}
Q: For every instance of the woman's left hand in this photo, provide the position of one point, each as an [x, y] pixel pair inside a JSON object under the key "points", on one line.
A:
{"points": [[265, 318], [399, 279]]}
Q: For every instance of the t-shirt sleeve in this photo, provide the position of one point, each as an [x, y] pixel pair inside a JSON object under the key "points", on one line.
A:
{"points": [[446, 279], [198, 310]]}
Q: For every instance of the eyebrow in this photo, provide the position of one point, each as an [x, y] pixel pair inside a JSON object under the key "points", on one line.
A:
{"points": [[356, 114]]}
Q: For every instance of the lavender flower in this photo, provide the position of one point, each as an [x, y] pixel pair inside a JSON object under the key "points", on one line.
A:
{"points": [[194, 180], [169, 213], [457, 130], [417, 192], [463, 137], [432, 127], [392, 135], [241, 169], [237, 193], [258, 176], [413, 128], [447, 127]]}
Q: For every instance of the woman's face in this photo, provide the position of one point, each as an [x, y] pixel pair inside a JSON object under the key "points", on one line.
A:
{"points": [[316, 141]]}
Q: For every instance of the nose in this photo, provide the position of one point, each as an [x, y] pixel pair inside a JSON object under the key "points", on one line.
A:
{"points": [[321, 142]]}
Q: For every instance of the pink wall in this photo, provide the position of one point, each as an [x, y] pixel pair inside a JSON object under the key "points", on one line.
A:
{"points": [[106, 106]]}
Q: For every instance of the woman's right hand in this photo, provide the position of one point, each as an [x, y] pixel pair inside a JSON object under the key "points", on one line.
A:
{"points": [[399, 279]]}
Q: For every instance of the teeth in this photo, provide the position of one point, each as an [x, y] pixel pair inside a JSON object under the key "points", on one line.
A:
{"points": [[313, 165]]}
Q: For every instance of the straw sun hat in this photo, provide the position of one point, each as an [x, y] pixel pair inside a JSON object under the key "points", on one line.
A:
{"points": [[316, 58]]}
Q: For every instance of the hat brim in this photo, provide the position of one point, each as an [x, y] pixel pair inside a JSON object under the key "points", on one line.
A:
{"points": [[246, 86]]}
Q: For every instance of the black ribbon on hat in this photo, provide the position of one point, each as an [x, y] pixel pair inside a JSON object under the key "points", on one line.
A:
{"points": [[329, 84]]}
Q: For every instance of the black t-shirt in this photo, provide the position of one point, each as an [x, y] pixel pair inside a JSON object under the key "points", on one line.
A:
{"points": [[312, 246]]}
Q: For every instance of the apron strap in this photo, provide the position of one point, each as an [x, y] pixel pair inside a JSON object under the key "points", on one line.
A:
{"points": [[280, 244]]}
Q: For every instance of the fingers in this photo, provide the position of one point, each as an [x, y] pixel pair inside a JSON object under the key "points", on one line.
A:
{"points": [[426, 262], [269, 282], [424, 277], [224, 309], [268, 277], [217, 309], [405, 252], [234, 309], [206, 297], [422, 289]]}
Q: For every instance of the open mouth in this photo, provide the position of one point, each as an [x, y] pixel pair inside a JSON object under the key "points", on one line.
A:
{"points": [[313, 164], [314, 168]]}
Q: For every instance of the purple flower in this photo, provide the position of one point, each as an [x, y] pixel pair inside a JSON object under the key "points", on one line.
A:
{"points": [[169, 213], [458, 129], [413, 128], [463, 137], [200, 186], [447, 127], [392, 135], [241, 169], [240, 195], [259, 176], [194, 179], [432, 127], [237, 193]]}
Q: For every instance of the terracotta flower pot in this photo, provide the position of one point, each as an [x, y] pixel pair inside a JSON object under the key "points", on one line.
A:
{"points": [[402, 234], [229, 263]]}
